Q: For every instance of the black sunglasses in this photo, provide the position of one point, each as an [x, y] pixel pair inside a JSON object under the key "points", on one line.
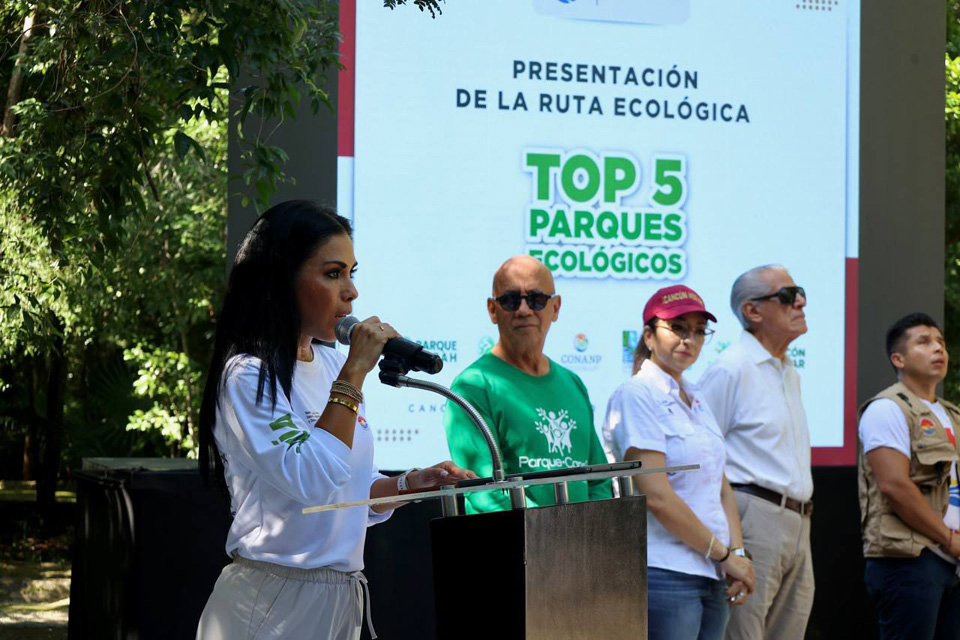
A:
{"points": [[536, 300], [786, 295]]}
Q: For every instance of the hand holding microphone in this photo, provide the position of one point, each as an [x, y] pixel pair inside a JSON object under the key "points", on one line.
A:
{"points": [[366, 340], [371, 338]]}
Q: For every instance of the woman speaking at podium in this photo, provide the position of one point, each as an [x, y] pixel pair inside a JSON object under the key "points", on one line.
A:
{"points": [[284, 421], [694, 537]]}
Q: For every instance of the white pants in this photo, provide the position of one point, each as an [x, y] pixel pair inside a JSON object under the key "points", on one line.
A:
{"points": [[259, 600]]}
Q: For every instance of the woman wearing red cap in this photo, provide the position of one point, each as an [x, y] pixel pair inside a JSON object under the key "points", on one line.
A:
{"points": [[693, 526]]}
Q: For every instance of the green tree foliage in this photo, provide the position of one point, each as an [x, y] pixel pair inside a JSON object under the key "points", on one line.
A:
{"points": [[432, 6], [952, 236], [113, 191], [112, 199]]}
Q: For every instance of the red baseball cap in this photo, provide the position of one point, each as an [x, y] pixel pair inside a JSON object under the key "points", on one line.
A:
{"points": [[670, 302]]}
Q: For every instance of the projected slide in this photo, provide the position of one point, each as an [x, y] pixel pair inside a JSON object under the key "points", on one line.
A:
{"points": [[629, 145]]}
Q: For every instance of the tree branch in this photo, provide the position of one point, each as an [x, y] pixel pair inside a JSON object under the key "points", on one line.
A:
{"points": [[16, 79]]}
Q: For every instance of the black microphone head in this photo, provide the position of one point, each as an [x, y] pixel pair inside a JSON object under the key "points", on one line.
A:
{"points": [[344, 327], [430, 363]]}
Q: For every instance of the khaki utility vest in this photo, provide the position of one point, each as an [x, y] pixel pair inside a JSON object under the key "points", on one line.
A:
{"points": [[931, 461]]}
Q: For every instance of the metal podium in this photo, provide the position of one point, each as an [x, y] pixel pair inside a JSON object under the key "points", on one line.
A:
{"points": [[570, 571]]}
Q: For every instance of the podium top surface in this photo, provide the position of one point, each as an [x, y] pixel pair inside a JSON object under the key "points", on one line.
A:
{"points": [[609, 471]]}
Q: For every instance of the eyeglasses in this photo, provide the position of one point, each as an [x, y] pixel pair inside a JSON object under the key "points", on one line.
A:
{"points": [[786, 295], [536, 300], [683, 332]]}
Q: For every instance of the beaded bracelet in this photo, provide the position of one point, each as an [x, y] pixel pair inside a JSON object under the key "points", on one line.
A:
{"points": [[344, 403], [346, 389]]}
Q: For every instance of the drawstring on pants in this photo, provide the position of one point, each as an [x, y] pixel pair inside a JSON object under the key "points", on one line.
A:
{"points": [[363, 592]]}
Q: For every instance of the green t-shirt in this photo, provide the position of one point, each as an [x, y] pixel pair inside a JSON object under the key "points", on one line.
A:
{"points": [[540, 423]]}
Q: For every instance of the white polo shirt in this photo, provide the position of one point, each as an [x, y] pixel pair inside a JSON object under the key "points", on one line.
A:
{"points": [[756, 400], [646, 412]]}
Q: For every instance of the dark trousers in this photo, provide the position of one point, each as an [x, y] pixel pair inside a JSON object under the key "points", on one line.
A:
{"points": [[916, 598]]}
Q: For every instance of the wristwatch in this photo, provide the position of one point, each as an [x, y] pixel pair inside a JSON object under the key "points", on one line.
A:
{"points": [[402, 484], [743, 553]]}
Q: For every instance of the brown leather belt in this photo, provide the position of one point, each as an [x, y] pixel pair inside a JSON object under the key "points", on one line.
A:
{"points": [[803, 508]]}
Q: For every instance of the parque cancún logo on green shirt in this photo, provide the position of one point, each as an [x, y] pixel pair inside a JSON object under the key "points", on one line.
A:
{"points": [[556, 428], [293, 437]]}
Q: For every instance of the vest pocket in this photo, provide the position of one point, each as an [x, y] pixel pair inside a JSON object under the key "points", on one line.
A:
{"points": [[934, 462], [893, 527], [932, 450]]}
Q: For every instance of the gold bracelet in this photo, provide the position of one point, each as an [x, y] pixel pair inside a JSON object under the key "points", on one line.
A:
{"points": [[341, 392], [345, 394], [345, 403], [346, 389]]}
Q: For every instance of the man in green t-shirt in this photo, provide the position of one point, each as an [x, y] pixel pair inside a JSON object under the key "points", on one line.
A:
{"points": [[539, 411]]}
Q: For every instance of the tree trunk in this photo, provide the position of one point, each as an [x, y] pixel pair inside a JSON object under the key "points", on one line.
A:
{"points": [[188, 426], [31, 442], [16, 79], [53, 430]]}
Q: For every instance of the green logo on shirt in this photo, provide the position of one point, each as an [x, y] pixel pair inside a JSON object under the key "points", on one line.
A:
{"points": [[294, 437]]}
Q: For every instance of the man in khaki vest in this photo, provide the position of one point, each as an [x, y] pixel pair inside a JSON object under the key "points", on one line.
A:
{"points": [[909, 500]]}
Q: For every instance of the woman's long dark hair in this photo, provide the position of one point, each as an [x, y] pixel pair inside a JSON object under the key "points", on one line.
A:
{"points": [[260, 316], [642, 352]]}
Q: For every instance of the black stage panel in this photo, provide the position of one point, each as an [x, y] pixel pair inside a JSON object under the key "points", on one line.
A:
{"points": [[150, 546]]}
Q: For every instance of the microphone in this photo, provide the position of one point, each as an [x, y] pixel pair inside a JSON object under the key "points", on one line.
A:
{"points": [[413, 355]]}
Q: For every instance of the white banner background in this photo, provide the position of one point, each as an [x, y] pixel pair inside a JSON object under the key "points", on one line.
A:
{"points": [[440, 193]]}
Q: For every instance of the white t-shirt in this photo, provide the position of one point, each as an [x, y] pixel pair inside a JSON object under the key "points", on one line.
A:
{"points": [[884, 425], [277, 462], [646, 412]]}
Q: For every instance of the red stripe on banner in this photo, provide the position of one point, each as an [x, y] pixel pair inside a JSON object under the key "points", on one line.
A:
{"points": [[847, 454], [347, 78]]}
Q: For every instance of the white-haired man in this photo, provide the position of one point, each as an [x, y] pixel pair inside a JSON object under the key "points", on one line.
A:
{"points": [[753, 390]]}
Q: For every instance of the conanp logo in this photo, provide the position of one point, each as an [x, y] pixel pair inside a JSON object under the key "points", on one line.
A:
{"points": [[580, 342], [630, 11]]}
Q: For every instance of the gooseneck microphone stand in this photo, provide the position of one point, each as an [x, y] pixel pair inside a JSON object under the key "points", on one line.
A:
{"points": [[393, 372]]}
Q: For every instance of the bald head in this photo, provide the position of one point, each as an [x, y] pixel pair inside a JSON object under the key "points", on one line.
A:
{"points": [[523, 330], [522, 268]]}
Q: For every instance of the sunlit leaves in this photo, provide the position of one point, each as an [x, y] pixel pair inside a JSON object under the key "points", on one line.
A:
{"points": [[952, 248]]}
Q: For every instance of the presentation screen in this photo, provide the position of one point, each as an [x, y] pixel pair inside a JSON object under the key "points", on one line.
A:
{"points": [[627, 144]]}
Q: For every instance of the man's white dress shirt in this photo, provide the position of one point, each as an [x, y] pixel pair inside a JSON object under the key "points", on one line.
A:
{"points": [[756, 400]]}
